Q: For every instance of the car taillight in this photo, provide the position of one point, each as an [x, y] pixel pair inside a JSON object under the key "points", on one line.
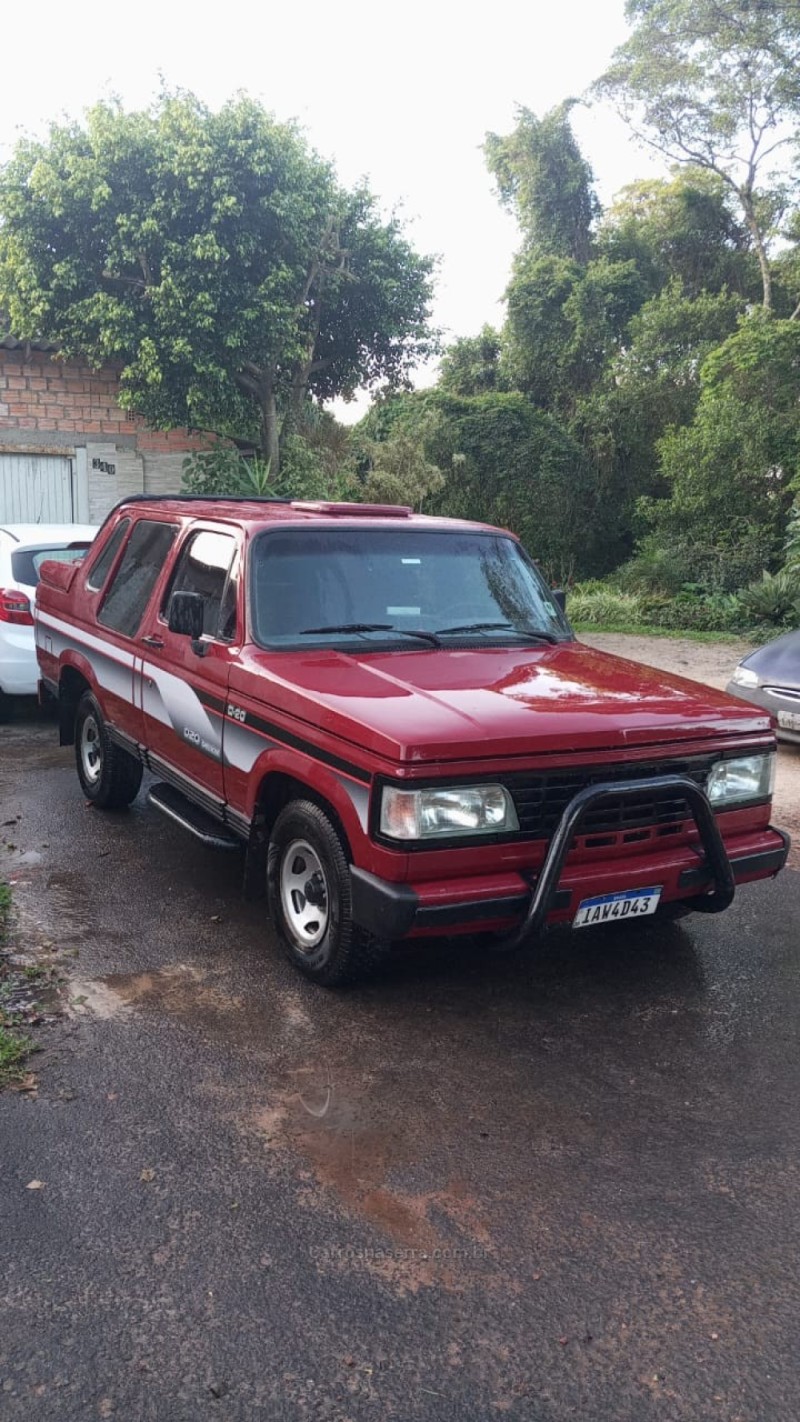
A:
{"points": [[15, 607]]}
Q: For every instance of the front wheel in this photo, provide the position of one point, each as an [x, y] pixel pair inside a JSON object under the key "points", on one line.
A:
{"points": [[109, 776], [308, 885]]}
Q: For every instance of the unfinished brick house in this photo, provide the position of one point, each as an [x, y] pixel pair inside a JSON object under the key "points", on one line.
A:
{"points": [[68, 452]]}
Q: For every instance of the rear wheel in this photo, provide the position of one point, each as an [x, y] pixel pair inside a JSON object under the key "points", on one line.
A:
{"points": [[308, 884], [109, 776]]}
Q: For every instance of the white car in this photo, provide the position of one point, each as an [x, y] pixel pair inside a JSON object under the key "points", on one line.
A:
{"points": [[23, 548]]}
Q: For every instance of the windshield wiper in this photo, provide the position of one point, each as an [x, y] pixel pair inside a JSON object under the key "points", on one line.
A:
{"points": [[529, 632], [430, 637]]}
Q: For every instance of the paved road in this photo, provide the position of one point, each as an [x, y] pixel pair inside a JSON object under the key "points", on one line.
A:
{"points": [[562, 1186]]}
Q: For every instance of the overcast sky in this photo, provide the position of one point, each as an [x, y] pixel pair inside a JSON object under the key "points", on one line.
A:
{"points": [[400, 93]]}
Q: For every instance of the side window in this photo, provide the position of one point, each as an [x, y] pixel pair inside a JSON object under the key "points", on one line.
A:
{"points": [[99, 570], [136, 576], [203, 567]]}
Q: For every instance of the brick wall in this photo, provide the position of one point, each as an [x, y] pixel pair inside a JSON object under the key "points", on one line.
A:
{"points": [[64, 406], [38, 393]]}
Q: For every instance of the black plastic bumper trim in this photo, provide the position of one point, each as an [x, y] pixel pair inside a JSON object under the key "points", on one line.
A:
{"points": [[481, 910], [767, 861], [383, 909], [392, 910]]}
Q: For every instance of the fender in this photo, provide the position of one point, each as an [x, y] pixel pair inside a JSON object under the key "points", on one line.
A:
{"points": [[349, 798]]}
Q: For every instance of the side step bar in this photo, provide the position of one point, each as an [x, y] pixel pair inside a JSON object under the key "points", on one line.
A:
{"points": [[190, 817]]}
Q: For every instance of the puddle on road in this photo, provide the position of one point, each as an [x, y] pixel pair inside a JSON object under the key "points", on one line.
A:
{"points": [[180, 990], [347, 1150], [435, 1237]]}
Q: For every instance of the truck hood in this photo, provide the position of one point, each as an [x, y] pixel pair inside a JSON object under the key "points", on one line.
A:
{"points": [[466, 705]]}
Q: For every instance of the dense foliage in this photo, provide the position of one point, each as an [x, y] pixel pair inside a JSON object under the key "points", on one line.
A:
{"points": [[217, 258], [657, 343]]}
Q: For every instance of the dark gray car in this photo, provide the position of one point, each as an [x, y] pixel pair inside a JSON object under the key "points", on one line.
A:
{"points": [[770, 677]]}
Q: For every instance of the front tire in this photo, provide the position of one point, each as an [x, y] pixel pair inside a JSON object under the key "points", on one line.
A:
{"points": [[308, 887], [109, 776]]}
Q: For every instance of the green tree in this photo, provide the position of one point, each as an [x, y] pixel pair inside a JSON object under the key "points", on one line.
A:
{"points": [[681, 229], [716, 84], [473, 364], [543, 178], [731, 470], [215, 256]]}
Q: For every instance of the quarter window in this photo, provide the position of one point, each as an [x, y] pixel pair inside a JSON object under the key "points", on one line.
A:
{"points": [[99, 570], [136, 576], [204, 567]]}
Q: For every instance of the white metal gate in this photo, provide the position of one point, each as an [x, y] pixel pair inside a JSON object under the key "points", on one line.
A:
{"points": [[36, 488]]}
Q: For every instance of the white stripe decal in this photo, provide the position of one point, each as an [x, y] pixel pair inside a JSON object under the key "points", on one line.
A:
{"points": [[108, 649]]}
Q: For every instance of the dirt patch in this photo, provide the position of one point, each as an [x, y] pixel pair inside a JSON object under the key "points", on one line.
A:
{"points": [[712, 664], [423, 1238], [180, 990]]}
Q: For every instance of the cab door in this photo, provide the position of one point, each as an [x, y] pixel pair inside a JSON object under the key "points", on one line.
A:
{"points": [[184, 687], [123, 602]]}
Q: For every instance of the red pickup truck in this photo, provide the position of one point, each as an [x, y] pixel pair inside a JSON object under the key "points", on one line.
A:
{"points": [[391, 714]]}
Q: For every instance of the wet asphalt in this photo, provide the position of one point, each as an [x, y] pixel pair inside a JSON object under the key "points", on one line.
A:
{"points": [[563, 1185]]}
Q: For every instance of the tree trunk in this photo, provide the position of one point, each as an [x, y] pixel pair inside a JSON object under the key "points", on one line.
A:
{"points": [[270, 432], [761, 252]]}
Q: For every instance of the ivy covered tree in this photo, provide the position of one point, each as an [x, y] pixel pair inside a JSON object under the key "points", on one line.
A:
{"points": [[544, 179], [215, 256]]}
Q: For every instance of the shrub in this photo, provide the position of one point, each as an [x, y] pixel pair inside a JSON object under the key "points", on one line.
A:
{"points": [[791, 547], [221, 471], [775, 600], [694, 611], [303, 474], [595, 605], [667, 564]]}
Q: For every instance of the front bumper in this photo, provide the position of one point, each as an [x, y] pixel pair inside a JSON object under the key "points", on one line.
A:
{"points": [[705, 874], [772, 701]]}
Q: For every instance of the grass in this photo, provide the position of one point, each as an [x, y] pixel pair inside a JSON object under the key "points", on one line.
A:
{"points": [[14, 1051], [14, 1045], [688, 634]]}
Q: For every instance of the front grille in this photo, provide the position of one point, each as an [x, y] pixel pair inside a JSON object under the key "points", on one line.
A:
{"points": [[541, 799]]}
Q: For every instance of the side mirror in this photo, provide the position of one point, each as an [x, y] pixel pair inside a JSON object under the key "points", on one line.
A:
{"points": [[187, 614], [559, 597]]}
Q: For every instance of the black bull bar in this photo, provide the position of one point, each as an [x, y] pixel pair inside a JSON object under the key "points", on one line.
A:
{"points": [[544, 890]]}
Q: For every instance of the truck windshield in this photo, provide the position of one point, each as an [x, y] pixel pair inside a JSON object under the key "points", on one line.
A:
{"points": [[406, 587]]}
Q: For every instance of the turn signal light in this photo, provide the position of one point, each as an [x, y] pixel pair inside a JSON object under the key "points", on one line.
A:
{"points": [[15, 607]]}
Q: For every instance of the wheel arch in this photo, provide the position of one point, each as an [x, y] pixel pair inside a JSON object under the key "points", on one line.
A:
{"points": [[73, 681], [278, 788]]}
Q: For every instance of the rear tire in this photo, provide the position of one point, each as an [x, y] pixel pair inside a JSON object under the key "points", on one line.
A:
{"points": [[308, 887], [109, 776]]}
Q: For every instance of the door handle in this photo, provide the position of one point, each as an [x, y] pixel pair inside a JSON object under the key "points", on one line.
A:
{"points": [[153, 641]]}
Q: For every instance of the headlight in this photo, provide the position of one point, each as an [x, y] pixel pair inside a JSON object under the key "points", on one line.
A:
{"points": [[461, 810], [732, 781], [743, 676]]}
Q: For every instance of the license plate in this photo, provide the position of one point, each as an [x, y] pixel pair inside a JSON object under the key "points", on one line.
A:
{"points": [[609, 908], [789, 720]]}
